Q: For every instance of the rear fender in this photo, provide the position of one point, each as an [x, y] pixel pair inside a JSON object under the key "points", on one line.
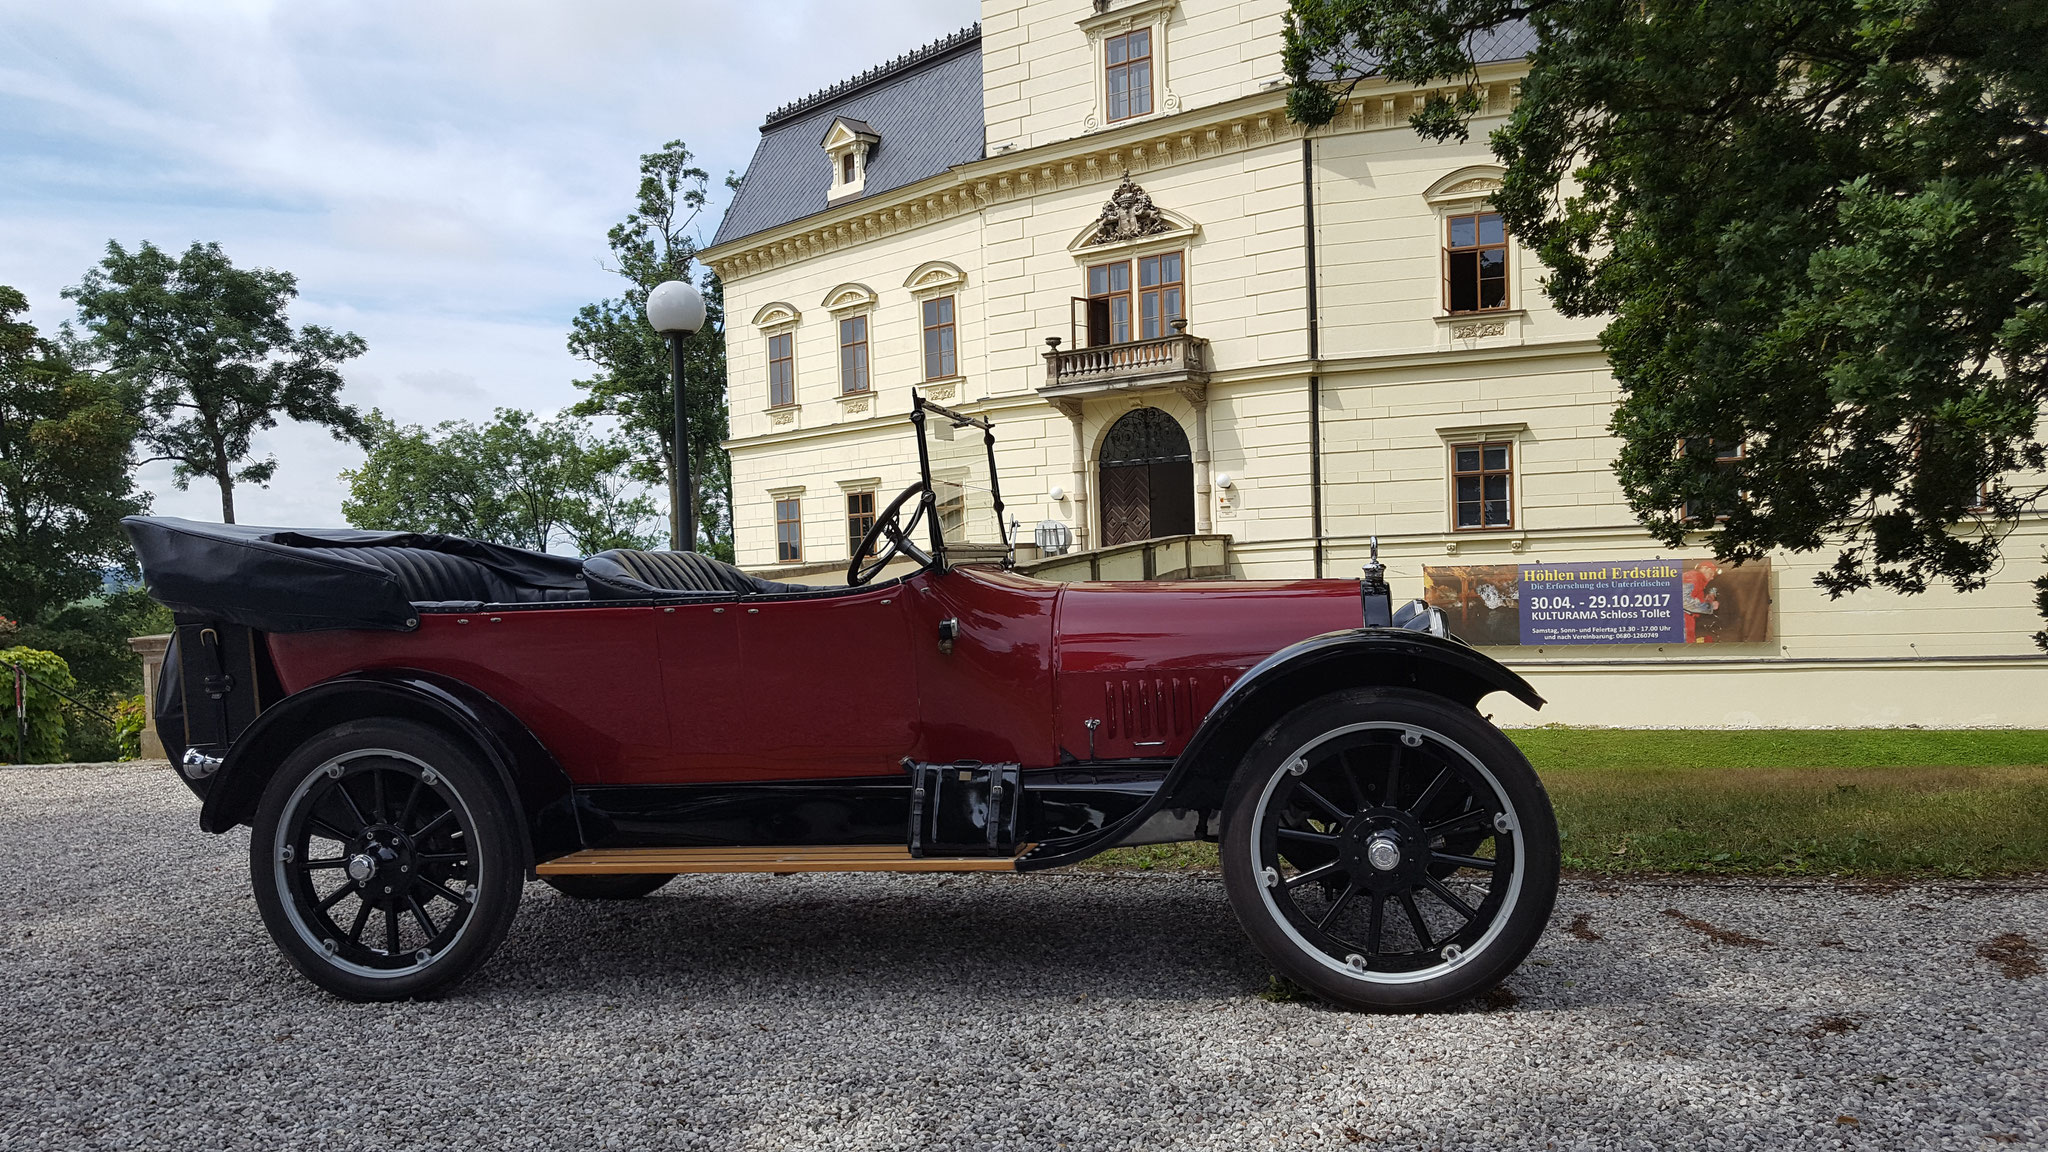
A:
{"points": [[1355, 658], [532, 778]]}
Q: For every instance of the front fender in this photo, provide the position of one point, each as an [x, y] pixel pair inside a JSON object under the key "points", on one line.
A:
{"points": [[1354, 658], [534, 781]]}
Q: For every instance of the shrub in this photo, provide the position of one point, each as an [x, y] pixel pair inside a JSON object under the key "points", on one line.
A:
{"points": [[131, 716], [47, 676]]}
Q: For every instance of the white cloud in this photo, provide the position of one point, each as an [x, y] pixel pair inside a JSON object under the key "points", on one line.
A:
{"points": [[439, 177]]}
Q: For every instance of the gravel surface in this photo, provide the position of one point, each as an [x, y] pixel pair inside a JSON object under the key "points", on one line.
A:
{"points": [[142, 1006]]}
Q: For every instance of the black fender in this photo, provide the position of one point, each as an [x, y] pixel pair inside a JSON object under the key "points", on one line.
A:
{"points": [[1354, 658], [531, 776]]}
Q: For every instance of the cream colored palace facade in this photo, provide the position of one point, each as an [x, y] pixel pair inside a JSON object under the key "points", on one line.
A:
{"points": [[1321, 369]]}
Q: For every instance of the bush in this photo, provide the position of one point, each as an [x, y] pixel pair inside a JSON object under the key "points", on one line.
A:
{"points": [[131, 716], [48, 675]]}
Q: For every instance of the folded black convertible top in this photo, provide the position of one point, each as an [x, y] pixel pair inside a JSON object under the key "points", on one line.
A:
{"points": [[312, 579]]}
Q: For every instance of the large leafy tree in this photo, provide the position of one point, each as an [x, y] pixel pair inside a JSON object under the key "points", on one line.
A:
{"points": [[1820, 228], [65, 455], [214, 357], [633, 380], [516, 480]]}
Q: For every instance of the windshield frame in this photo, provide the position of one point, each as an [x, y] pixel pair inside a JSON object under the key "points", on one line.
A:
{"points": [[919, 407]]}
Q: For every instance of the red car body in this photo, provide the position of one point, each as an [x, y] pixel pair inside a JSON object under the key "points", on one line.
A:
{"points": [[852, 685]]}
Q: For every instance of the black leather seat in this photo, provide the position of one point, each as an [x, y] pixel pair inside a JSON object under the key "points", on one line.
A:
{"points": [[630, 574], [436, 577]]}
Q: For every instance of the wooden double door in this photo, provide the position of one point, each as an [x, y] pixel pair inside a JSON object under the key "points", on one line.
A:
{"points": [[1147, 478]]}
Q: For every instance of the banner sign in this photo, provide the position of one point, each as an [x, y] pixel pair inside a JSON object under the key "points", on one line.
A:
{"points": [[1636, 603], [1604, 602]]}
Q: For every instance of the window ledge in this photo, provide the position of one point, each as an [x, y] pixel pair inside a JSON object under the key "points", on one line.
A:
{"points": [[1455, 540], [783, 414], [853, 403], [1448, 318]]}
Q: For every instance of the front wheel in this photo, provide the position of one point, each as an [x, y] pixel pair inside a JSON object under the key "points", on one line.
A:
{"points": [[1389, 850], [385, 861]]}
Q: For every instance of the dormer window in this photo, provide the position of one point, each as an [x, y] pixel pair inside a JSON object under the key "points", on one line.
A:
{"points": [[849, 143]]}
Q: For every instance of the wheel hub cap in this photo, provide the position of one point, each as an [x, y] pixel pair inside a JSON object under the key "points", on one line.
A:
{"points": [[1383, 852], [381, 864]]}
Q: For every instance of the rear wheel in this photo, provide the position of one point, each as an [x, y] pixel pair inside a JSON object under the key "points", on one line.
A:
{"points": [[624, 886], [1389, 850], [384, 860]]}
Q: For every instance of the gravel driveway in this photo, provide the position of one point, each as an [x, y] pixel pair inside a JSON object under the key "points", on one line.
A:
{"points": [[142, 1005]]}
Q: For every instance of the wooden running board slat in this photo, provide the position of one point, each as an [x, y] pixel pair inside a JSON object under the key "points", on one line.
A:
{"points": [[823, 858]]}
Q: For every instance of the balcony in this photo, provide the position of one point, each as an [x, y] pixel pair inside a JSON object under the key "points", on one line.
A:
{"points": [[1174, 361]]}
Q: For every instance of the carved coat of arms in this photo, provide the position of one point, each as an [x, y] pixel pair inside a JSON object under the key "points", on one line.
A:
{"points": [[1129, 214]]}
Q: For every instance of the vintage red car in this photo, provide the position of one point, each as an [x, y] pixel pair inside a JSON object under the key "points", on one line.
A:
{"points": [[415, 725]]}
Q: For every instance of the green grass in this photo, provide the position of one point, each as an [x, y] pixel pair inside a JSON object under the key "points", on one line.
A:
{"points": [[1894, 803]]}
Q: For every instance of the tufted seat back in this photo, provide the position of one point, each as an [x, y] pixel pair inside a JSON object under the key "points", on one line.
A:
{"points": [[429, 576], [630, 574]]}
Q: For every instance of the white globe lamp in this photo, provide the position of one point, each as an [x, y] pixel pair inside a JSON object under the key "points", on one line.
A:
{"points": [[675, 308]]}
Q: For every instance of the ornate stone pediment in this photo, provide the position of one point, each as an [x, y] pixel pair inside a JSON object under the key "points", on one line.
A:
{"points": [[777, 314], [934, 276], [1466, 184], [848, 297], [1129, 215]]}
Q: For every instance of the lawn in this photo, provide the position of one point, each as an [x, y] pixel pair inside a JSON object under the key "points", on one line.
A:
{"points": [[1890, 803]]}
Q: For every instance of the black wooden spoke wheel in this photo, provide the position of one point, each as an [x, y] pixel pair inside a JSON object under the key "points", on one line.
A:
{"points": [[384, 860], [623, 886], [1390, 850]]}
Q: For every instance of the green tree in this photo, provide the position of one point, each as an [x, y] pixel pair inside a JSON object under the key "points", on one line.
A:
{"points": [[214, 357], [65, 459], [1820, 228], [633, 381], [516, 480]]}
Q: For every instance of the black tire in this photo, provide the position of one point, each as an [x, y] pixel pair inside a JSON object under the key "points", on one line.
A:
{"points": [[1389, 850], [385, 860], [624, 886]]}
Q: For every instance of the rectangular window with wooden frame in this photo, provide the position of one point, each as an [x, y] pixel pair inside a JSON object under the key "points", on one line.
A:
{"points": [[1475, 263], [1159, 294], [1128, 59], [853, 354], [781, 370], [860, 520], [1482, 485], [941, 354], [1109, 304], [789, 529]]}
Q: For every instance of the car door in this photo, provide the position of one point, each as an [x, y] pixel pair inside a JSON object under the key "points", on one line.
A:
{"points": [[829, 690], [697, 666]]}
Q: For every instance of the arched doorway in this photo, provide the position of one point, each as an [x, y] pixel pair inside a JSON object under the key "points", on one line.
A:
{"points": [[1148, 478]]}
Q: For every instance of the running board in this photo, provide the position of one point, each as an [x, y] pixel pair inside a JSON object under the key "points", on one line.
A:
{"points": [[820, 858]]}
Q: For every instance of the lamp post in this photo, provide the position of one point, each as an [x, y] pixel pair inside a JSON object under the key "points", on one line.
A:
{"points": [[676, 310]]}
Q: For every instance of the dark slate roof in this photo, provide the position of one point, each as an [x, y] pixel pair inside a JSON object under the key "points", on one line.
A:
{"points": [[925, 106], [1513, 40]]}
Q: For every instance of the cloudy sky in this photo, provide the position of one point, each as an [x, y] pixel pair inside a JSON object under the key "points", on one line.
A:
{"points": [[438, 176]]}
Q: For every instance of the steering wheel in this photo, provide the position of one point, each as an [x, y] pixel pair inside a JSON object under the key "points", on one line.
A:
{"points": [[869, 559]]}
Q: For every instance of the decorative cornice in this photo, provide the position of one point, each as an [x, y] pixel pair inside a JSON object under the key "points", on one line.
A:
{"points": [[1235, 126]]}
